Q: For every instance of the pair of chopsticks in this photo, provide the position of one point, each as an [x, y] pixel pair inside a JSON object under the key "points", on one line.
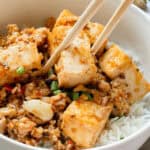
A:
{"points": [[89, 12]]}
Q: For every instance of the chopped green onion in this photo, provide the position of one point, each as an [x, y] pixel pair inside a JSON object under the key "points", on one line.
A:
{"points": [[90, 97], [75, 95], [50, 72], [68, 93], [54, 85], [20, 70], [57, 92]]}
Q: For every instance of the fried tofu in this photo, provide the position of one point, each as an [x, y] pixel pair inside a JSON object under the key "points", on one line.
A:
{"points": [[138, 87], [15, 56], [66, 20], [93, 30], [39, 109], [83, 121], [21, 49], [115, 62], [76, 64]]}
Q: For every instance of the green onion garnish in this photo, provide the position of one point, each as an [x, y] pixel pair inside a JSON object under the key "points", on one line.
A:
{"points": [[75, 95], [50, 72], [20, 70], [90, 97], [57, 92], [54, 85]]}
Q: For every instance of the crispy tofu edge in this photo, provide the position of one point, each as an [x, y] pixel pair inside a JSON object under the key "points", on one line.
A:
{"points": [[99, 131], [130, 66]]}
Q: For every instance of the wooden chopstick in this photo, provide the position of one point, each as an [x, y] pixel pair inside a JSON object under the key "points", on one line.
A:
{"points": [[79, 25], [112, 23]]}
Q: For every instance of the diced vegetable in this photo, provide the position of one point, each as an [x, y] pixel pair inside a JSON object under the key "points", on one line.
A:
{"points": [[20, 70], [39, 109], [90, 97], [75, 95], [50, 72], [57, 92], [54, 85], [8, 88]]}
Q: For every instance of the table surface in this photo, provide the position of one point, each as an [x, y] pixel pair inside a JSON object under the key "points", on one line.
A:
{"points": [[146, 146]]}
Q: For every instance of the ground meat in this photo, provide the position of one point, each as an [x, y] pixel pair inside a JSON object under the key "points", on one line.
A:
{"points": [[21, 127], [37, 132], [104, 86], [29, 141], [50, 23], [11, 28], [3, 95], [59, 102], [17, 89], [3, 125], [2, 41], [15, 101], [105, 100], [119, 97], [59, 141], [12, 34], [8, 112], [36, 89]]}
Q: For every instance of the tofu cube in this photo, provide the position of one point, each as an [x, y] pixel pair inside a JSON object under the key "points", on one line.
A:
{"points": [[40, 109], [93, 30], [66, 18], [115, 62], [76, 64], [20, 54], [84, 121], [138, 87]]}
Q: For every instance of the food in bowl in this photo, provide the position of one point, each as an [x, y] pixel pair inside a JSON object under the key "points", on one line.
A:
{"points": [[70, 106]]}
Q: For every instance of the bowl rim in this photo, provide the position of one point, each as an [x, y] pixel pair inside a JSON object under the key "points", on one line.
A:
{"points": [[146, 17]]}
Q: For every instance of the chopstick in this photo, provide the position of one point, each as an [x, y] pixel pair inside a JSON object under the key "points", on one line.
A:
{"points": [[79, 25], [112, 23]]}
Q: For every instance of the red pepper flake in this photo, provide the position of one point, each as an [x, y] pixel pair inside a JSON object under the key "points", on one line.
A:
{"points": [[8, 88], [70, 142], [38, 93], [22, 91]]}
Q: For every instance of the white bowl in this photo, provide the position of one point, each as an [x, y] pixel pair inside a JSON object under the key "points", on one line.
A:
{"points": [[133, 33]]}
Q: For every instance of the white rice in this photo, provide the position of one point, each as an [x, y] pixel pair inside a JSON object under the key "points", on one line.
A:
{"points": [[120, 128]]}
